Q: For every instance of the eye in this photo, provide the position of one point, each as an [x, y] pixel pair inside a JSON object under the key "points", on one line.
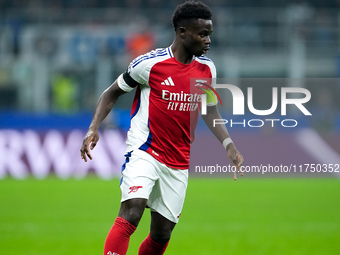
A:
{"points": [[203, 34]]}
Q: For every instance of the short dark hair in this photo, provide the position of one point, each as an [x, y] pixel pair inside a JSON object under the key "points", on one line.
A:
{"points": [[190, 10]]}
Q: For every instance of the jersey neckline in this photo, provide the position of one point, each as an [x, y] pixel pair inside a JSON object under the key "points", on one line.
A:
{"points": [[173, 56]]}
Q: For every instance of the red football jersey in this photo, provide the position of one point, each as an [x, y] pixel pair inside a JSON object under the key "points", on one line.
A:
{"points": [[166, 106]]}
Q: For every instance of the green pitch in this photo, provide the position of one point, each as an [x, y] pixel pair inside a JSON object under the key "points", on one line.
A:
{"points": [[220, 216]]}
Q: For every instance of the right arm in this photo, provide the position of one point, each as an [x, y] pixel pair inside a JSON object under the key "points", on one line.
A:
{"points": [[105, 104]]}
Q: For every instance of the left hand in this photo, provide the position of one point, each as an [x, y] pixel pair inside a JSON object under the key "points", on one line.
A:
{"points": [[89, 142], [236, 158]]}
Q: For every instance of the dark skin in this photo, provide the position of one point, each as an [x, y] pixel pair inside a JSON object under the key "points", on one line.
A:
{"points": [[192, 39]]}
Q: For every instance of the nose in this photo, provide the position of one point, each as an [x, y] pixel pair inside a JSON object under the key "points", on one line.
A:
{"points": [[207, 40]]}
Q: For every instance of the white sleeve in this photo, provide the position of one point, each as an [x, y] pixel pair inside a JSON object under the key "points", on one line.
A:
{"points": [[139, 69], [123, 85], [136, 74]]}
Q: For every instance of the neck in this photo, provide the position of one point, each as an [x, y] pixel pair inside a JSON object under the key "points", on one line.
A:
{"points": [[180, 53]]}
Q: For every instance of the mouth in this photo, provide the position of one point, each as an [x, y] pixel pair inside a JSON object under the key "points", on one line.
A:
{"points": [[205, 50]]}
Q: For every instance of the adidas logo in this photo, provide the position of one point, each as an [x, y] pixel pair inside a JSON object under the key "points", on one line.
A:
{"points": [[168, 81], [110, 253]]}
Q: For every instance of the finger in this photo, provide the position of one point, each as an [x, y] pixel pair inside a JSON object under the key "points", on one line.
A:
{"points": [[88, 152], [232, 157], [94, 141], [234, 160], [83, 156], [82, 152], [89, 155], [85, 149], [241, 173], [91, 143], [240, 162], [235, 172]]}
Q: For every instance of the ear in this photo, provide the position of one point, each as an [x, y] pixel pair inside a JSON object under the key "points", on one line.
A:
{"points": [[182, 31]]}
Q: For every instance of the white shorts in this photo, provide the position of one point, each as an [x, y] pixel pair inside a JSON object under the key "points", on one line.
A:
{"points": [[145, 177]]}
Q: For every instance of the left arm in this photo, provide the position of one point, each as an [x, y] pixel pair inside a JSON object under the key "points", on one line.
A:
{"points": [[221, 133]]}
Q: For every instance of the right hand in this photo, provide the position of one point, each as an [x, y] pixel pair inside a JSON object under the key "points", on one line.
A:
{"points": [[236, 158], [91, 138]]}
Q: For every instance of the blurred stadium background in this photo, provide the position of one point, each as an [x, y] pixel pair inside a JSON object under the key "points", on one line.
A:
{"points": [[56, 58]]}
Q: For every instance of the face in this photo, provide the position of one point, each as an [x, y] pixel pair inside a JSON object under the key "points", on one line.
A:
{"points": [[196, 36]]}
